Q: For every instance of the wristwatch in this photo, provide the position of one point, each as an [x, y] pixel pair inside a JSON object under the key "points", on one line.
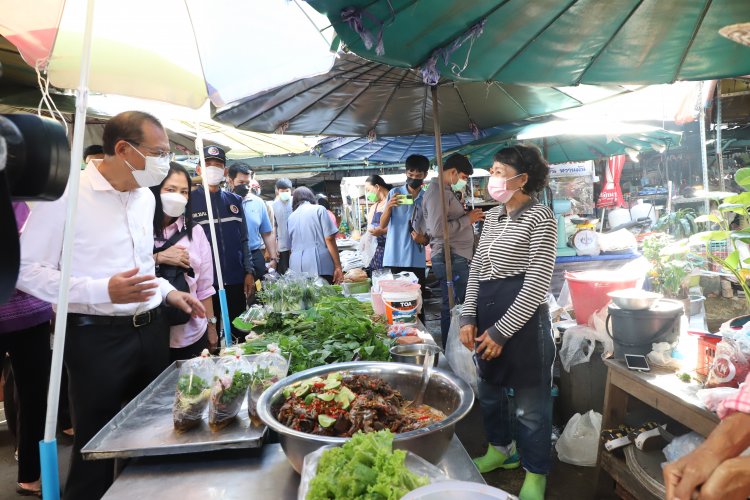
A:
{"points": [[213, 320]]}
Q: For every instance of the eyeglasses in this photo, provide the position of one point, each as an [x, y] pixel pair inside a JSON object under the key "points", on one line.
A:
{"points": [[158, 153]]}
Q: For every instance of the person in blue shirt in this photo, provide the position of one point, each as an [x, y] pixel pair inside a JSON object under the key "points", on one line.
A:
{"points": [[404, 247], [259, 228], [236, 261]]}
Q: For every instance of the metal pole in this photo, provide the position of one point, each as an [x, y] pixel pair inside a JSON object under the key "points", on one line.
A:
{"points": [[48, 447], [443, 201], [704, 158], [719, 147], [225, 320]]}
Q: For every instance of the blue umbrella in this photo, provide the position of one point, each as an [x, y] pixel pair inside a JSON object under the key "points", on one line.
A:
{"points": [[395, 149]]}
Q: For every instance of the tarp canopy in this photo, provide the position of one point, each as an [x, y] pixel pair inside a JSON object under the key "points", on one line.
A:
{"points": [[394, 149], [566, 141], [551, 42], [359, 98]]}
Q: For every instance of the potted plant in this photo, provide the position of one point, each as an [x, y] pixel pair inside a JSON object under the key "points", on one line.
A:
{"points": [[679, 223], [732, 207], [672, 263]]}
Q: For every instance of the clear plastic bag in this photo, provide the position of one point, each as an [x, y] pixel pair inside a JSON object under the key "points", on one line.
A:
{"points": [[577, 346], [682, 445], [460, 359], [579, 442], [730, 366], [414, 463], [229, 389], [712, 398], [368, 244], [267, 369], [193, 391]]}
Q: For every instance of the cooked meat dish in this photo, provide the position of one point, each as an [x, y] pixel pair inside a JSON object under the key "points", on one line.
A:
{"points": [[345, 403]]}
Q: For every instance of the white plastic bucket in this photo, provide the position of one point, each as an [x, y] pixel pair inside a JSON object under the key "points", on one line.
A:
{"points": [[402, 301]]}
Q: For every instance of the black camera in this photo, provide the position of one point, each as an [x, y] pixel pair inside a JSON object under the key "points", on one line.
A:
{"points": [[34, 165]]}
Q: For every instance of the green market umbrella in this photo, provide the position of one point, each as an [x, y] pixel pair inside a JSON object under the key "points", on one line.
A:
{"points": [[566, 141], [551, 42], [360, 98]]}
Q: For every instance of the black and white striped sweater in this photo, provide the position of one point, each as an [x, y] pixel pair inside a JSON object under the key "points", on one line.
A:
{"points": [[525, 243]]}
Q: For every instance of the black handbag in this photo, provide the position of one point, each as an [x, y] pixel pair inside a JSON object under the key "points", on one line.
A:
{"points": [[176, 277]]}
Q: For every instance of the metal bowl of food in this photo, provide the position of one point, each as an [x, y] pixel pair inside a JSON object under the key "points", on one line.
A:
{"points": [[445, 393], [414, 353], [634, 299]]}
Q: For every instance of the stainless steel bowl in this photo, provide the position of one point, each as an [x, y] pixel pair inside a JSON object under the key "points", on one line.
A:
{"points": [[634, 299], [445, 392], [414, 353]]}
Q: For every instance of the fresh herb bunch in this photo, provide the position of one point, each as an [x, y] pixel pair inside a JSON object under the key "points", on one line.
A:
{"points": [[191, 385], [336, 329], [238, 387]]}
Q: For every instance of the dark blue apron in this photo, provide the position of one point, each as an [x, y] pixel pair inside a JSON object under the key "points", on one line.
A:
{"points": [[526, 359]]}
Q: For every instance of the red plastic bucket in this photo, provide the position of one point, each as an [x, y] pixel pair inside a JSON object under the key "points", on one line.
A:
{"points": [[589, 289]]}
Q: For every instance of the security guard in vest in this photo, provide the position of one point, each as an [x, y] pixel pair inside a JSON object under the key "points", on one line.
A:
{"points": [[231, 233]]}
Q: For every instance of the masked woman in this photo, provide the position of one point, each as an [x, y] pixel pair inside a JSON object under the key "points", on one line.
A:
{"points": [[180, 243], [376, 191], [505, 318]]}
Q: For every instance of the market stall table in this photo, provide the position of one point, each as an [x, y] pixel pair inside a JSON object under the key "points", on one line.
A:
{"points": [[240, 474], [661, 390]]}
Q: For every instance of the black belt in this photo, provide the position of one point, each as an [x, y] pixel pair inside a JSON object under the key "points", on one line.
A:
{"points": [[137, 321]]}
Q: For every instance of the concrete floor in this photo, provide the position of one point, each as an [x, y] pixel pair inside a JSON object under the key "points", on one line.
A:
{"points": [[566, 482]]}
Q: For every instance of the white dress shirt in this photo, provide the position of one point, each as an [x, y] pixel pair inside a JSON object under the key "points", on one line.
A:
{"points": [[113, 233]]}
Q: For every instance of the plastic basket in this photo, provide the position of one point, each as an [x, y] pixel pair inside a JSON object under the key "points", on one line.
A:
{"points": [[718, 249], [706, 354]]}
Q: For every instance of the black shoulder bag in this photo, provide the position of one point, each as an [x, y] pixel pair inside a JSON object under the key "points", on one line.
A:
{"points": [[176, 277]]}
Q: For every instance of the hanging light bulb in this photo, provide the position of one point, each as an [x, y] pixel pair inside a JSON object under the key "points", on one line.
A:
{"points": [[659, 147]]}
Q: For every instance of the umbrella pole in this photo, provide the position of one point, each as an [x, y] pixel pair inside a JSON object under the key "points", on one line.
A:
{"points": [[704, 157], [212, 228], [444, 214], [718, 146], [48, 447]]}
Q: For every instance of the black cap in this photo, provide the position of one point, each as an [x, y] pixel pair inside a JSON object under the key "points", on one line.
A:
{"points": [[215, 153]]}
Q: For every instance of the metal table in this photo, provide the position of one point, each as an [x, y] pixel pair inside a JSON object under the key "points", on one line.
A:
{"points": [[239, 474]]}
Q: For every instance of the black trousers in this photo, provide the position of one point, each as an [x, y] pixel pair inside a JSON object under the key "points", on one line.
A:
{"points": [[30, 358], [421, 274], [283, 261], [236, 304], [193, 350], [107, 366]]}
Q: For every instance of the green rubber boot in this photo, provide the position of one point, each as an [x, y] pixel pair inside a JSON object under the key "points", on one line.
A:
{"points": [[496, 459], [533, 487]]}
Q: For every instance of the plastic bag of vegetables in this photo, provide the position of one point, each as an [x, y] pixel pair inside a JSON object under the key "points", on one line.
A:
{"points": [[268, 368], [230, 382], [193, 391]]}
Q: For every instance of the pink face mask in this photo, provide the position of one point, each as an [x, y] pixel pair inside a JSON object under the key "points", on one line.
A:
{"points": [[498, 188]]}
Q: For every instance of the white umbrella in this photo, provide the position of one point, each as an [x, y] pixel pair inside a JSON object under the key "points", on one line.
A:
{"points": [[179, 51]]}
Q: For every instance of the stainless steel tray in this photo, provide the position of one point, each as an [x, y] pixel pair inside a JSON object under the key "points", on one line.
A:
{"points": [[145, 428]]}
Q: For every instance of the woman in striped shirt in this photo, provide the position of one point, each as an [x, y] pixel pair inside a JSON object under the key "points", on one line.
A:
{"points": [[505, 304]]}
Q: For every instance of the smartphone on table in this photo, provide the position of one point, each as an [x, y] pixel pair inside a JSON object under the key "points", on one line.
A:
{"points": [[637, 362]]}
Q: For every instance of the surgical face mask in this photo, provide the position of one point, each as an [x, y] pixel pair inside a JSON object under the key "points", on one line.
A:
{"points": [[241, 190], [372, 197], [459, 184], [155, 171], [414, 183], [173, 204], [285, 196], [497, 187], [214, 175]]}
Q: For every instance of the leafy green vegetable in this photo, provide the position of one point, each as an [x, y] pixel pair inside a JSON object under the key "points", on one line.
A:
{"points": [[336, 329], [191, 385], [366, 467], [240, 383]]}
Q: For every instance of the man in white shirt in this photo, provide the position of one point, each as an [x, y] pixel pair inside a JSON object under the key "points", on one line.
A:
{"points": [[117, 341], [282, 209]]}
